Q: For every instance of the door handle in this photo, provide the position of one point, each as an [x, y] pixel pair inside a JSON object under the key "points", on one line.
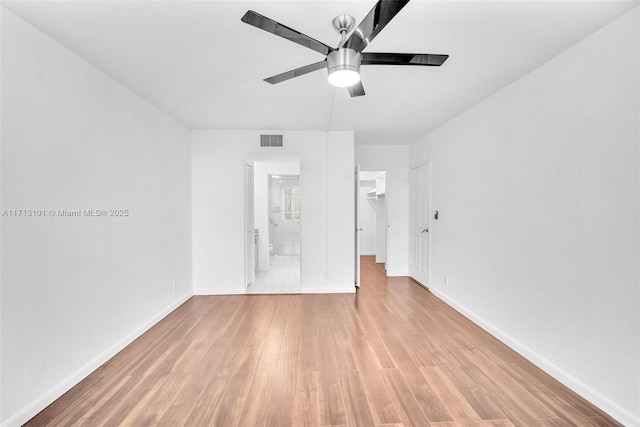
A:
{"points": [[425, 230]]}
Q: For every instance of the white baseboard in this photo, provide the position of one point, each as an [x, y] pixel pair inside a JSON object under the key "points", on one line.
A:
{"points": [[342, 290], [32, 409], [367, 253], [397, 272], [223, 291], [233, 291], [613, 409]]}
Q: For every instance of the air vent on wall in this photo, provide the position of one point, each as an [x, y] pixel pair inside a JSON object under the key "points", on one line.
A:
{"points": [[271, 141]]}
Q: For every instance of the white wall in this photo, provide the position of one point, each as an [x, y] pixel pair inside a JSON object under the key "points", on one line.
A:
{"points": [[326, 190], [75, 290], [538, 193], [367, 218], [395, 160]]}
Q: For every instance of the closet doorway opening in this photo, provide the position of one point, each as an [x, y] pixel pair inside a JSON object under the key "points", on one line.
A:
{"points": [[277, 218], [372, 215]]}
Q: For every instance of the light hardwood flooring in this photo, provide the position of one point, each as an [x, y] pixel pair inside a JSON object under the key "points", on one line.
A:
{"points": [[390, 355]]}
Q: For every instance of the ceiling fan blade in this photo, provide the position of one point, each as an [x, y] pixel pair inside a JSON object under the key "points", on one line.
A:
{"points": [[381, 14], [425, 59], [356, 90], [271, 26], [297, 72]]}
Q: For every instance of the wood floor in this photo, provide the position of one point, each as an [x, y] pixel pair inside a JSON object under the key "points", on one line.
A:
{"points": [[391, 355]]}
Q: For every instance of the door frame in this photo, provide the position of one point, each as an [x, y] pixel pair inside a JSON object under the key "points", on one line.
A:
{"points": [[251, 158], [356, 245], [358, 171], [249, 224]]}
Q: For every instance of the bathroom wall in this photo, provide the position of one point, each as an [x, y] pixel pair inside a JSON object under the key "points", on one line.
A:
{"points": [[284, 233], [263, 166]]}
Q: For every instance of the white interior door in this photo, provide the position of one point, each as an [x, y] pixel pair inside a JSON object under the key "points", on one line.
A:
{"points": [[249, 226], [357, 227], [420, 222]]}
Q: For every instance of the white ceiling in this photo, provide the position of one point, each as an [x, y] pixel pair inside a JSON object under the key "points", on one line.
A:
{"points": [[198, 62]]}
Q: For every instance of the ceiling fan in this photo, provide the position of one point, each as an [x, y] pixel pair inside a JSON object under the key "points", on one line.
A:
{"points": [[343, 63]]}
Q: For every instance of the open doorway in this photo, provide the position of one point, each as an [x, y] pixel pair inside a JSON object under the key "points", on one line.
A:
{"points": [[277, 220], [372, 215]]}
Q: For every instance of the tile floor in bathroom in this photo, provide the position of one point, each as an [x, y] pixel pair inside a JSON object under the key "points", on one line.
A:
{"points": [[282, 278]]}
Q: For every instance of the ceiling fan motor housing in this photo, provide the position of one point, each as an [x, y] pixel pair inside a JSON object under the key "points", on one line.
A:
{"points": [[343, 59]]}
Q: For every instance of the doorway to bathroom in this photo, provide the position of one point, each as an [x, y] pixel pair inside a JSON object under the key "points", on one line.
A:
{"points": [[277, 221]]}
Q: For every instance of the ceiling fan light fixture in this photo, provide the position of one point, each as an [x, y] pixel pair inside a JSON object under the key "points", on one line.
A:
{"points": [[343, 78], [343, 63], [344, 67]]}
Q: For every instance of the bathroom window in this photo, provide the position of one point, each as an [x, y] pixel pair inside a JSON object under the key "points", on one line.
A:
{"points": [[291, 203]]}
